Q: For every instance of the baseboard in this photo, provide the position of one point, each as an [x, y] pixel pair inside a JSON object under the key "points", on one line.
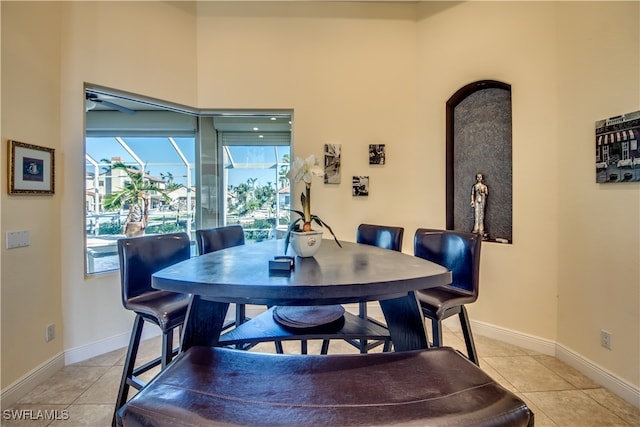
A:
{"points": [[606, 379], [626, 391], [97, 348], [530, 342], [10, 395], [41, 373]]}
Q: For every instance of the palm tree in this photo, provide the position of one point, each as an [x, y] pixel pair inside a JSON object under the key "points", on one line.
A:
{"points": [[134, 194], [266, 195], [167, 177], [169, 185], [282, 174]]}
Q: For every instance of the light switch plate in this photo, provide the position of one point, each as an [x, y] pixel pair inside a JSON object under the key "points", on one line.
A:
{"points": [[17, 239]]}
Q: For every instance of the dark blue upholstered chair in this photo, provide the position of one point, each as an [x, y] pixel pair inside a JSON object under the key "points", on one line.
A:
{"points": [[460, 253], [215, 239], [385, 237]]}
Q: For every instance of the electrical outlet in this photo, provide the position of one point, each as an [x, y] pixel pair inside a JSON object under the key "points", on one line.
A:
{"points": [[50, 332], [605, 339]]}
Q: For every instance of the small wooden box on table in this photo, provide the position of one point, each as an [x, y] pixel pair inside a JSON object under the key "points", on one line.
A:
{"points": [[209, 386]]}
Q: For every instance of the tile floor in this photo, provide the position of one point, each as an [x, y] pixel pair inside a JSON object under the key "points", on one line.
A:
{"points": [[84, 393]]}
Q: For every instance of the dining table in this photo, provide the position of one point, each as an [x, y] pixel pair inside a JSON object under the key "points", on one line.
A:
{"points": [[351, 273]]}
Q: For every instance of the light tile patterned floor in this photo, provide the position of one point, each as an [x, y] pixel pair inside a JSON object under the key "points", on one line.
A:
{"points": [[84, 393]]}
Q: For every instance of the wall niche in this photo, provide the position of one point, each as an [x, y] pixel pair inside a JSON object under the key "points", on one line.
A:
{"points": [[479, 141]]}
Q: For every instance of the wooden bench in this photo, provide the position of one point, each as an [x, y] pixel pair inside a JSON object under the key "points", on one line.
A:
{"points": [[219, 386]]}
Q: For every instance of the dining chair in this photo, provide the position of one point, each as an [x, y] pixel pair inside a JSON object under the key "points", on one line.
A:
{"points": [[215, 239], [139, 258], [223, 237], [459, 252], [385, 237]]}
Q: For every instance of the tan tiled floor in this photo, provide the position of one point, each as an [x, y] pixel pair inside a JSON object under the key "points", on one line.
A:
{"points": [[558, 394]]}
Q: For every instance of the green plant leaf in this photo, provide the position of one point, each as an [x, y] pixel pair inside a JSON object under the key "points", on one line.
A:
{"points": [[321, 223]]}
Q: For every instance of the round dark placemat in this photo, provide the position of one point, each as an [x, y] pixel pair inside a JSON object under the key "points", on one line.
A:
{"points": [[307, 316]]}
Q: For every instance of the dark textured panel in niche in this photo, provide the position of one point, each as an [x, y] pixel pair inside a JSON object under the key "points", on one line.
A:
{"points": [[482, 144]]}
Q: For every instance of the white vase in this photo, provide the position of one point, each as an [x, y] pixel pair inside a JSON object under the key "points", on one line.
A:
{"points": [[305, 244]]}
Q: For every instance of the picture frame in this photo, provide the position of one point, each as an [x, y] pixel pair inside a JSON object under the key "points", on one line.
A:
{"points": [[360, 186], [332, 166], [377, 154], [618, 149], [31, 169]]}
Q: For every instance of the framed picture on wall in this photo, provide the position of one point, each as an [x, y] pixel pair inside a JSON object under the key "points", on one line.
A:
{"points": [[31, 169], [617, 150], [332, 163], [377, 154], [360, 186]]}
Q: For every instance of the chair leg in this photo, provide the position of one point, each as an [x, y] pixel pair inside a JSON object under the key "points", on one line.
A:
{"points": [[167, 348], [279, 348], [468, 336], [436, 327], [325, 347], [129, 364]]}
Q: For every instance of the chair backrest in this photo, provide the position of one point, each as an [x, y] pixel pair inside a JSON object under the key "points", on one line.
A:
{"points": [[140, 257], [214, 239], [380, 235], [456, 250]]}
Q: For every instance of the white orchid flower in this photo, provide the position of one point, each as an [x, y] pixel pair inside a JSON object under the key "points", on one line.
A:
{"points": [[311, 169], [296, 171], [305, 170]]}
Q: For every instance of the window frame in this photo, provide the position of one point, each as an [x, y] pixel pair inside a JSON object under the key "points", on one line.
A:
{"points": [[207, 139]]}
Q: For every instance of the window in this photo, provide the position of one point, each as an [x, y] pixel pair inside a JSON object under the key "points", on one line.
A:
{"points": [[152, 168], [257, 191]]}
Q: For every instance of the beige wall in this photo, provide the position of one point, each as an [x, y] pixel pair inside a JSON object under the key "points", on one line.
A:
{"points": [[31, 291], [599, 225], [515, 44], [49, 50], [347, 70], [141, 47], [354, 74]]}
